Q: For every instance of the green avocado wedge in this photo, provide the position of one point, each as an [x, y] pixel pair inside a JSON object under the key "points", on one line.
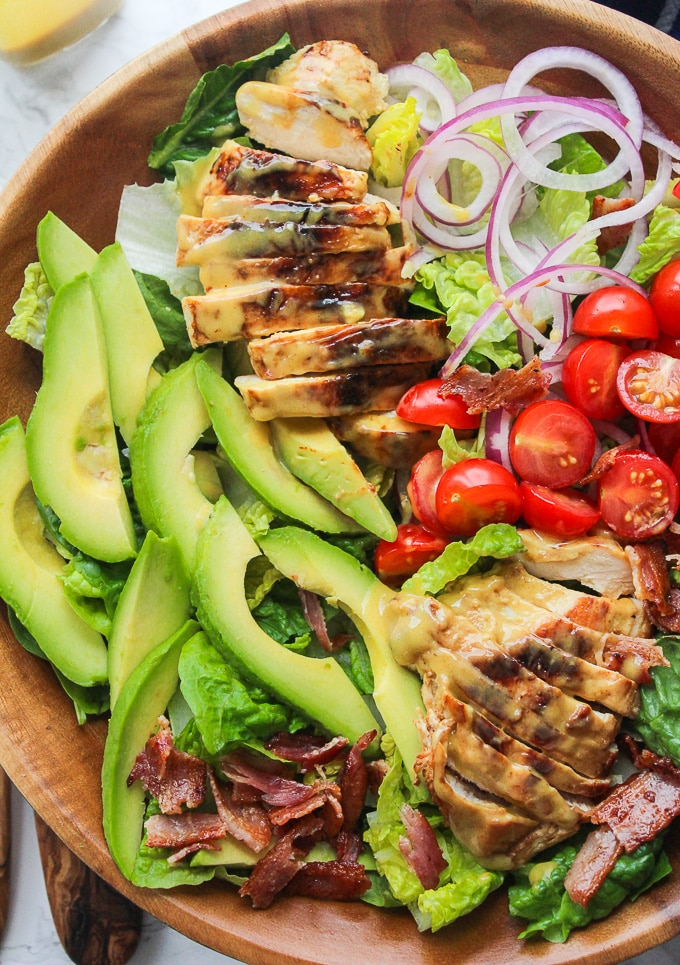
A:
{"points": [[317, 687], [132, 339], [70, 437], [248, 447], [318, 566], [134, 719], [63, 254], [153, 604], [309, 449], [174, 418], [31, 570]]}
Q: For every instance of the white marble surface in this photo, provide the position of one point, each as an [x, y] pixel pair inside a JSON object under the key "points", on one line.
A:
{"points": [[31, 101]]}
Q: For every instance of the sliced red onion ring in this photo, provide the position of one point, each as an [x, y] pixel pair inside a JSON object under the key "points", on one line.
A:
{"points": [[426, 87], [497, 437]]}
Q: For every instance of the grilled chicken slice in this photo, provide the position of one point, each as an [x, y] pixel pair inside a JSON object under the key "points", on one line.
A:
{"points": [[201, 238], [246, 170], [250, 208], [378, 341], [623, 615], [252, 311], [377, 267], [324, 396], [303, 124], [598, 562], [336, 70], [386, 438]]}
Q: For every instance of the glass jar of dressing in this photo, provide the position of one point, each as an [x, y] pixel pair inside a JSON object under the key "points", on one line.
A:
{"points": [[33, 29]]}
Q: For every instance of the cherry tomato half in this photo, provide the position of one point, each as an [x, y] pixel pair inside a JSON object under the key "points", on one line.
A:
{"points": [[413, 547], [589, 377], [668, 345], [665, 439], [616, 312], [476, 492], [552, 443], [664, 297], [560, 512], [639, 495], [423, 404], [648, 384], [422, 486]]}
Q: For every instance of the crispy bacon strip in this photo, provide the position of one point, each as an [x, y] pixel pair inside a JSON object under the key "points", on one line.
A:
{"points": [[313, 614], [276, 869], [171, 776], [322, 793], [607, 460], [650, 574], [353, 781], [592, 864], [509, 389], [247, 822], [670, 619], [420, 847], [276, 790], [329, 880], [306, 750], [180, 830], [612, 236], [183, 853]]}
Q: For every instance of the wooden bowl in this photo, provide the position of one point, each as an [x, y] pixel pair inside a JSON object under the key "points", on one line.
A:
{"points": [[78, 171]]}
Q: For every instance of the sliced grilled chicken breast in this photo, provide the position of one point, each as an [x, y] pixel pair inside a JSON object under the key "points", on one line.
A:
{"points": [[598, 562], [250, 208], [323, 396], [386, 438], [379, 341], [253, 311], [246, 170], [377, 267]]}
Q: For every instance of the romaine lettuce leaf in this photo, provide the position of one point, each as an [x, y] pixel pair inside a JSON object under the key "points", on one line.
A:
{"points": [[538, 893], [659, 719], [395, 139], [31, 308], [495, 540], [166, 311], [661, 245], [443, 65], [93, 588], [210, 115]]}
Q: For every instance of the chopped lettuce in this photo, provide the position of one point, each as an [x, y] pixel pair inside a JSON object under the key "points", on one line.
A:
{"points": [[93, 588], [210, 115], [659, 719], [31, 308], [661, 245], [395, 139], [443, 65], [495, 540], [580, 157], [463, 884], [538, 892], [227, 711], [166, 311], [456, 451]]}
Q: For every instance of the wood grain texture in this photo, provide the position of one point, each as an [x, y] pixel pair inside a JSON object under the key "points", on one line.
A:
{"points": [[96, 925], [5, 839], [78, 171]]}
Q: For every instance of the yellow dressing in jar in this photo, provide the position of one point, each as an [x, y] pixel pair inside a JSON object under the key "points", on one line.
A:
{"points": [[33, 29]]}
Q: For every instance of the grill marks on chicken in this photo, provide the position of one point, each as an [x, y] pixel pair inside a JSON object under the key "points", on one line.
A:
{"points": [[297, 259], [522, 710]]}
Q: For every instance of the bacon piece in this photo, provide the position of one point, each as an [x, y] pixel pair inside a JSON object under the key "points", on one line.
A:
{"points": [[669, 620], [183, 853], [642, 807], [247, 822], [306, 750], [275, 869], [420, 847], [611, 236], [330, 880], [321, 793], [313, 614], [509, 389], [607, 460], [353, 781], [180, 830], [276, 790], [632, 656], [650, 574], [171, 776], [592, 864], [348, 846]]}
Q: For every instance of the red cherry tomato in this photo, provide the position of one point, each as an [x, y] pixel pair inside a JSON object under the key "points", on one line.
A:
{"points": [[423, 404], [552, 443], [665, 439], [422, 486], [476, 492], [589, 377], [664, 297], [413, 547], [639, 495], [675, 465], [560, 512], [648, 384], [616, 312], [668, 345]]}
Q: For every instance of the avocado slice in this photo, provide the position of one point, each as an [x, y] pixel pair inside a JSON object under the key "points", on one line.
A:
{"points": [[309, 449], [131, 337], [247, 445], [153, 604], [168, 496], [70, 437], [332, 573], [317, 687], [144, 697], [31, 571], [63, 254]]}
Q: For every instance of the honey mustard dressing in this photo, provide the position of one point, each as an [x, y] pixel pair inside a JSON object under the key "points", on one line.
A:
{"points": [[31, 30]]}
